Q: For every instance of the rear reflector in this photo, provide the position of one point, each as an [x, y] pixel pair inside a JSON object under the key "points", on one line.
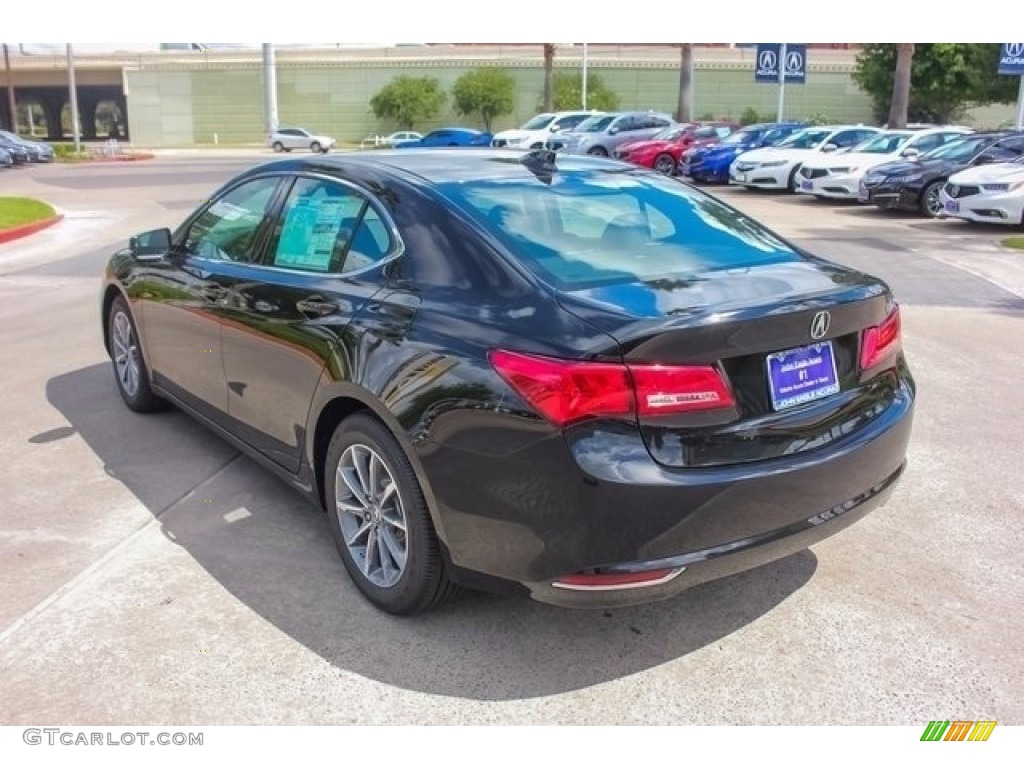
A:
{"points": [[881, 342], [564, 391], [601, 582]]}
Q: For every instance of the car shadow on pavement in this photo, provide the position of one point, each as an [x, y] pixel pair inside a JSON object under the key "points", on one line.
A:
{"points": [[273, 552]]}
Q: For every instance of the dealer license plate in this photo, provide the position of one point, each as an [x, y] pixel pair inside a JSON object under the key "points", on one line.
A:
{"points": [[801, 375]]}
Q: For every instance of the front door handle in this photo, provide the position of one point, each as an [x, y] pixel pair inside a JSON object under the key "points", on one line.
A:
{"points": [[315, 306]]}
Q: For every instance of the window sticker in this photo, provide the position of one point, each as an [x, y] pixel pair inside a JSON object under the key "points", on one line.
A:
{"points": [[316, 229]]}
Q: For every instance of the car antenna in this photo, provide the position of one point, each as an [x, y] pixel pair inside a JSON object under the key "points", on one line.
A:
{"points": [[541, 163]]}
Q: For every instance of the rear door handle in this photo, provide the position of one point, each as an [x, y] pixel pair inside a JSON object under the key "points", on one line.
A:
{"points": [[315, 306]]}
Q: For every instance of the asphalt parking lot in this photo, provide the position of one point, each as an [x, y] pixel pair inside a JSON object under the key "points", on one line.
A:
{"points": [[149, 574]]}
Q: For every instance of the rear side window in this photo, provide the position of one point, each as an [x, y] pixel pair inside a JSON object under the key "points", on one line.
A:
{"points": [[595, 228], [328, 227]]}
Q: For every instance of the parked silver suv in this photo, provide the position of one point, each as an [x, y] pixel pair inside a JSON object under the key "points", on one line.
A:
{"points": [[287, 139], [600, 134]]}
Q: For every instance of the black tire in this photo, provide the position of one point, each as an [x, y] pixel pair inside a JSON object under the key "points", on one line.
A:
{"points": [[423, 582], [598, 152], [315, 148], [791, 186], [126, 357], [537, 145], [929, 203], [278, 146], [666, 164]]}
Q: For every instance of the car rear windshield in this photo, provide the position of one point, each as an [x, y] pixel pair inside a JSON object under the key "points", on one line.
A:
{"points": [[589, 228]]}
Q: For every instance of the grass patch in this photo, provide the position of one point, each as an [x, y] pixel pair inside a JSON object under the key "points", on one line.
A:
{"points": [[15, 211], [1014, 242]]}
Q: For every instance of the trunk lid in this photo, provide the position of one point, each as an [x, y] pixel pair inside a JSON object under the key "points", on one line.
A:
{"points": [[735, 320]]}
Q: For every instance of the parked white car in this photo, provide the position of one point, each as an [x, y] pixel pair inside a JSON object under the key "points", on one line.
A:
{"points": [[776, 167], [397, 136], [536, 131], [287, 139], [987, 193], [839, 176]]}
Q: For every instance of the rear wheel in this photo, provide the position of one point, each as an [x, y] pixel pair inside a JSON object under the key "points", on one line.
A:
{"points": [[380, 521], [130, 371], [665, 163], [931, 205], [598, 152]]}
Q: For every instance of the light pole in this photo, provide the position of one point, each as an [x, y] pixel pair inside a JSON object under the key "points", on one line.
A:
{"points": [[584, 77], [74, 100], [269, 88], [10, 91]]}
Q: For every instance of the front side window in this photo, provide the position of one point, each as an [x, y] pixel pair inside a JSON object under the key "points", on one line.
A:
{"points": [[226, 231], [328, 227], [883, 143]]}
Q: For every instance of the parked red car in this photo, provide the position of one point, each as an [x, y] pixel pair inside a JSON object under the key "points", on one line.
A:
{"points": [[662, 151]]}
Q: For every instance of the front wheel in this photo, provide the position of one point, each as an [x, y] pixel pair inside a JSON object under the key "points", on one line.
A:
{"points": [[380, 521], [666, 164], [315, 147], [278, 146], [130, 371], [931, 205], [598, 152], [791, 185]]}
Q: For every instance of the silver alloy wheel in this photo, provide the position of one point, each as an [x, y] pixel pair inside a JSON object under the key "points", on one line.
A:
{"points": [[126, 354], [932, 201], [665, 164], [371, 515]]}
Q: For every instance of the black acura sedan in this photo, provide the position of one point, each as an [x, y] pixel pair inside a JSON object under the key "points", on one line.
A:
{"points": [[564, 377], [914, 185]]}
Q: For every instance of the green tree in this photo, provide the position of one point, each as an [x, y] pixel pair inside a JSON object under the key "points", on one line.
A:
{"points": [[489, 91], [945, 79], [408, 100], [568, 87]]}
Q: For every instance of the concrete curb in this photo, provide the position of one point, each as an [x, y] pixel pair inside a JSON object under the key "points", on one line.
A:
{"points": [[24, 230]]}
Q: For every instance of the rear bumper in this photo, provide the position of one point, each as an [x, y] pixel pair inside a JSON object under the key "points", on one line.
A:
{"points": [[695, 568], [593, 499]]}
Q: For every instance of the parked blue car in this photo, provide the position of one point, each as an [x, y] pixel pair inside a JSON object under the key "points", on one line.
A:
{"points": [[712, 163], [450, 137]]}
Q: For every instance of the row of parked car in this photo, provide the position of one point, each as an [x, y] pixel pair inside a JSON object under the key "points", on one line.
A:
{"points": [[939, 171], [17, 150]]}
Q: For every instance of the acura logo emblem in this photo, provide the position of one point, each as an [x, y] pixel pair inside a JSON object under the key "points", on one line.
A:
{"points": [[794, 61], [1014, 49], [820, 324], [768, 60]]}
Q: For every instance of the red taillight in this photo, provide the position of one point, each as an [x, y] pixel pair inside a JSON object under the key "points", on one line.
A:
{"points": [[564, 391], [880, 342]]}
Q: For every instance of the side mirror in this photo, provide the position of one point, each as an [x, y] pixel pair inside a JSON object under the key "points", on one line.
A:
{"points": [[612, 131], [154, 243], [986, 158], [830, 148], [910, 153]]}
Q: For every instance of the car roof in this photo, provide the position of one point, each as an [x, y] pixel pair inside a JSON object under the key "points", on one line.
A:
{"points": [[440, 166]]}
